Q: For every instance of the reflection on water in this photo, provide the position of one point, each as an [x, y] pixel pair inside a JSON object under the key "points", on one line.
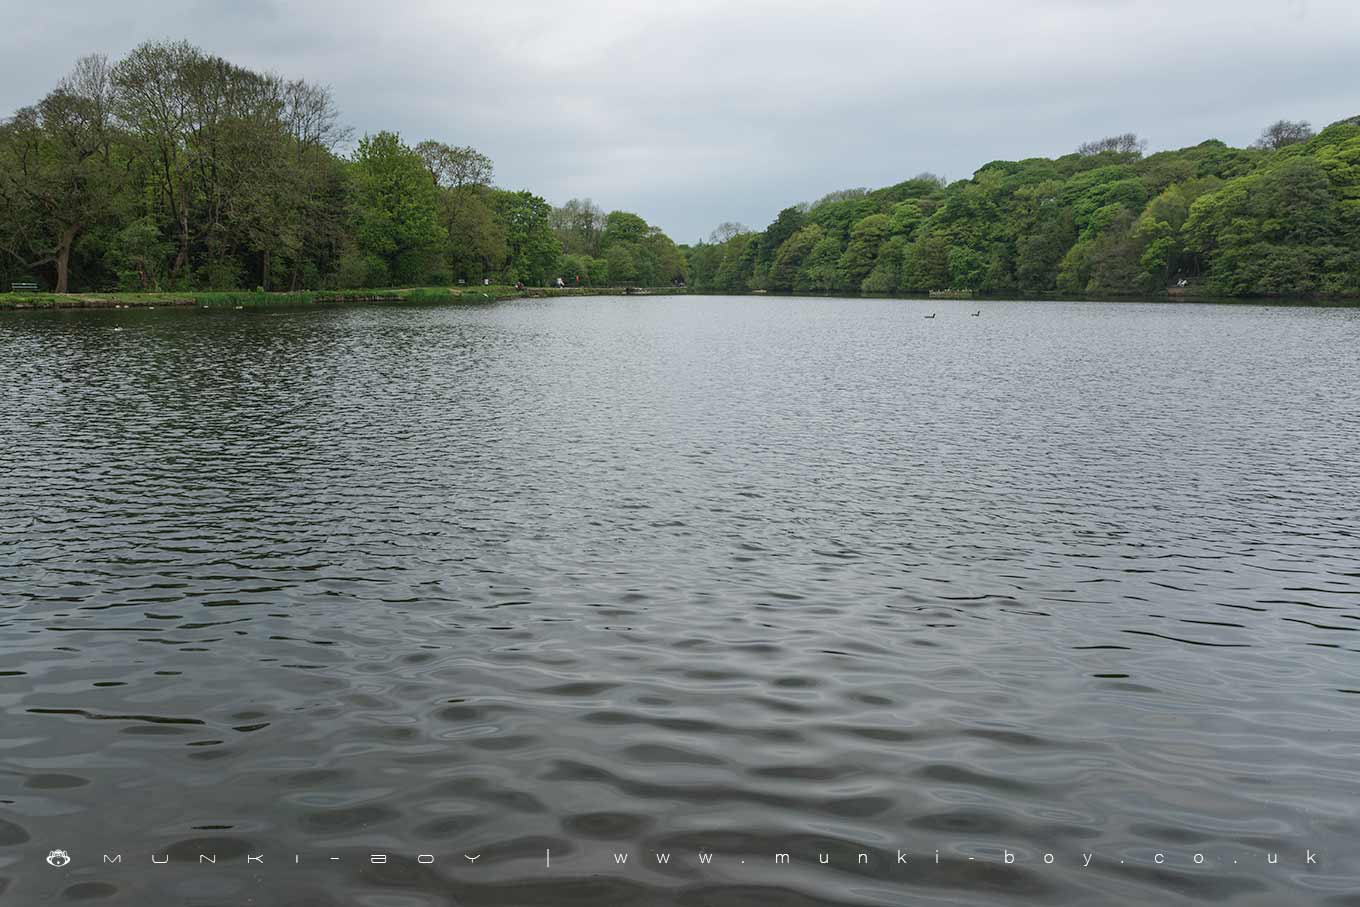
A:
{"points": [[742, 576]]}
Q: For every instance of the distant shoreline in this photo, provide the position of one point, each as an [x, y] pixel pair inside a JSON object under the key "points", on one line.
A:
{"points": [[484, 294], [241, 299]]}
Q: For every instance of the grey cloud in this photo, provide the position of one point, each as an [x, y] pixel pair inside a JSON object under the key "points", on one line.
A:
{"points": [[706, 111]]}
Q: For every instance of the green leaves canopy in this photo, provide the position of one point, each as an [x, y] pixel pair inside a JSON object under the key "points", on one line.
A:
{"points": [[1109, 221]]}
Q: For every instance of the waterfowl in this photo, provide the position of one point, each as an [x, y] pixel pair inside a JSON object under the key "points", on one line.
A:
{"points": [[931, 315], [977, 313]]}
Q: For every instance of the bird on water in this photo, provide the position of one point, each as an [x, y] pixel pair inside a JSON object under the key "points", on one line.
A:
{"points": [[931, 315]]}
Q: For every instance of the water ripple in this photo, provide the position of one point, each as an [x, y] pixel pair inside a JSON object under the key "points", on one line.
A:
{"points": [[737, 576]]}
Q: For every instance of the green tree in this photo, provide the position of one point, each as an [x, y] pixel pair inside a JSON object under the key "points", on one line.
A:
{"points": [[478, 246], [579, 225], [178, 168], [57, 173], [396, 214], [737, 264], [1272, 231], [926, 265], [668, 263], [866, 236], [533, 247], [887, 272], [623, 226], [597, 272], [138, 254], [623, 270], [820, 272], [788, 260], [788, 222], [1040, 250], [703, 260]]}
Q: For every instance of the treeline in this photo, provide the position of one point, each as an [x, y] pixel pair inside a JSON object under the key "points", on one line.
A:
{"points": [[1279, 218], [176, 169], [618, 247]]}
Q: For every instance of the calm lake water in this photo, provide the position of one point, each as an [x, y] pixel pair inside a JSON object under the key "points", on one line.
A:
{"points": [[549, 581]]}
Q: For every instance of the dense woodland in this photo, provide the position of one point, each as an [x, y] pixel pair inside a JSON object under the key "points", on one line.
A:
{"points": [[1279, 218], [175, 169]]}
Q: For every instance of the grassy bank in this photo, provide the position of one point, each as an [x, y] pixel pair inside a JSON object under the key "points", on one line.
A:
{"points": [[235, 300]]}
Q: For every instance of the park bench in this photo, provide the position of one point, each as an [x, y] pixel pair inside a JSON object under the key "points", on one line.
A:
{"points": [[23, 288]]}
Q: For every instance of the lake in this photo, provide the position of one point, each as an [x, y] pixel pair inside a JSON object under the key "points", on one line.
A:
{"points": [[1057, 604]]}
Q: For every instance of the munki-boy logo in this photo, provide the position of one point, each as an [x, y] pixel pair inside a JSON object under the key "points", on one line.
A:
{"points": [[861, 860]]}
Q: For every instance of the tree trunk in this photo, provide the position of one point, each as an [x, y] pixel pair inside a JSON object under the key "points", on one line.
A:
{"points": [[264, 269], [182, 259], [68, 237], [295, 279]]}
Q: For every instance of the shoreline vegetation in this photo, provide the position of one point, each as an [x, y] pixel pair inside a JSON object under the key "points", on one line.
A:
{"points": [[174, 172], [210, 299], [1280, 219], [227, 300]]}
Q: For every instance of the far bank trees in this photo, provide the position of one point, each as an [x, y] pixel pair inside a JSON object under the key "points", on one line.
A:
{"points": [[1279, 218], [175, 168]]}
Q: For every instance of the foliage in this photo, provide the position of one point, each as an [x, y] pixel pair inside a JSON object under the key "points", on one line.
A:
{"points": [[177, 170], [1282, 218], [791, 254], [396, 214], [579, 225], [860, 253], [58, 170], [530, 242]]}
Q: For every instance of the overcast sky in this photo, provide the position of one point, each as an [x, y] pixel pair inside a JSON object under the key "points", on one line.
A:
{"points": [[692, 112]]}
